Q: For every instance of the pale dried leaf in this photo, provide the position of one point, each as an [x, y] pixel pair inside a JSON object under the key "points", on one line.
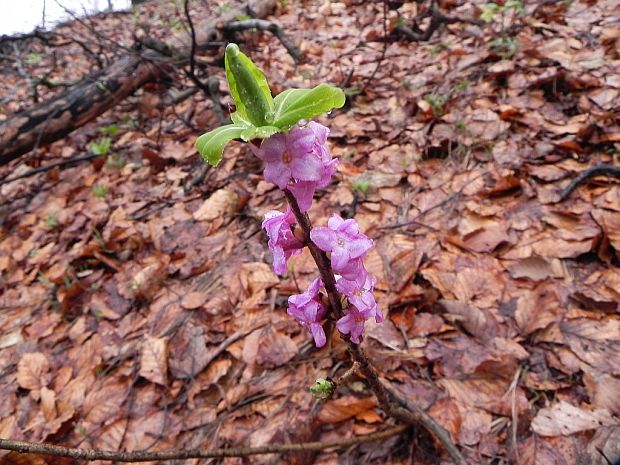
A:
{"points": [[564, 418], [32, 371], [154, 360]]}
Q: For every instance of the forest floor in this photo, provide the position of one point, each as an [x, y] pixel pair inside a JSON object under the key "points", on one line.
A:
{"points": [[139, 313]]}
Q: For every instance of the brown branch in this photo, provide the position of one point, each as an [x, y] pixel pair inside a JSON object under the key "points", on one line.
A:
{"points": [[383, 52], [393, 405], [587, 174], [24, 447], [264, 25]]}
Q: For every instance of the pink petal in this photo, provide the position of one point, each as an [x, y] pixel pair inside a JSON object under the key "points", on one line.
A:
{"points": [[320, 132], [358, 247], [300, 141], [318, 334], [340, 258], [303, 192], [306, 167], [323, 238], [335, 221], [271, 149], [277, 173]]}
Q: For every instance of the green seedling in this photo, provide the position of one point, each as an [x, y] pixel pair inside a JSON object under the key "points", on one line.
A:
{"points": [[100, 191]]}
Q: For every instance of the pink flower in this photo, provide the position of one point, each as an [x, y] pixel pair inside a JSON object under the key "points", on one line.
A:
{"points": [[360, 296], [298, 161], [290, 155], [310, 311], [352, 323], [345, 243], [282, 242]]}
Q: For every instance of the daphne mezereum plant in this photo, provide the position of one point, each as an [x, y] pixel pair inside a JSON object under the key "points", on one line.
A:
{"points": [[298, 161]]}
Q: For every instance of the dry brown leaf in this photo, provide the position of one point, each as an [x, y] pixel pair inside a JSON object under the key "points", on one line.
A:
{"points": [[188, 352], [605, 444], [538, 308], [257, 276], [537, 268], [610, 224], [564, 418], [603, 390], [476, 423], [193, 300], [32, 371], [154, 360], [490, 394], [221, 203], [104, 401], [48, 404], [275, 348], [595, 342], [335, 411], [447, 414], [479, 323]]}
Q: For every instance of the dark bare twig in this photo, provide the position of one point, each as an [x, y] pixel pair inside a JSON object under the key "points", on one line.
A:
{"points": [[385, 46], [51, 166], [24, 447], [437, 18], [264, 25], [587, 174], [393, 405]]}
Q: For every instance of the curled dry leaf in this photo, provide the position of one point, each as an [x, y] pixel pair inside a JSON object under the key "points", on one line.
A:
{"points": [[222, 202], [32, 371], [595, 342], [154, 360], [538, 308], [335, 411], [275, 348], [564, 418]]}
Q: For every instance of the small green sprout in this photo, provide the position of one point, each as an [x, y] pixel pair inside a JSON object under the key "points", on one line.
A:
{"points": [[505, 47], [100, 191], [361, 185], [437, 103], [461, 86], [116, 161], [323, 388], [110, 130], [52, 220], [33, 58], [101, 147]]}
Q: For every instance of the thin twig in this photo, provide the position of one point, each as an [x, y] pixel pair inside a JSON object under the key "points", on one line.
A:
{"points": [[587, 174], [385, 47], [24, 447], [264, 25], [49, 167]]}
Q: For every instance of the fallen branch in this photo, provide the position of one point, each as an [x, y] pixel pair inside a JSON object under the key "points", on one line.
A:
{"points": [[23, 447], [264, 25], [51, 166], [54, 119], [437, 19], [597, 170]]}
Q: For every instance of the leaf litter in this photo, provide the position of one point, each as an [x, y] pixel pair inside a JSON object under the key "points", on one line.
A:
{"points": [[149, 318]]}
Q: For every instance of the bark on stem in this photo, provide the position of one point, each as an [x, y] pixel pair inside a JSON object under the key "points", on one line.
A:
{"points": [[393, 405]]}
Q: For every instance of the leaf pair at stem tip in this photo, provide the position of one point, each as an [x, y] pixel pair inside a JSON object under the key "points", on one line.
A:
{"points": [[258, 115]]}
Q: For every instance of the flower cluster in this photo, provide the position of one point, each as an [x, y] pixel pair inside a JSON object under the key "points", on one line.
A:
{"points": [[300, 162], [282, 242]]}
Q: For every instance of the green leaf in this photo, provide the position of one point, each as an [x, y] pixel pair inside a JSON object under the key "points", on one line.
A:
{"points": [[252, 132], [293, 105], [248, 87], [211, 145]]}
